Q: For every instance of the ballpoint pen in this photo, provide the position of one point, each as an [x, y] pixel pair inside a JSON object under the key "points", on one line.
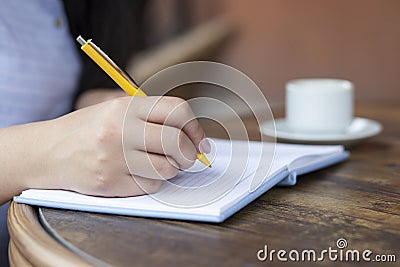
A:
{"points": [[119, 76]]}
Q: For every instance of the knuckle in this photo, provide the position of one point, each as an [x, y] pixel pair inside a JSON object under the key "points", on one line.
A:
{"points": [[101, 159], [172, 138], [152, 186], [117, 104], [185, 108], [102, 184], [108, 132], [181, 140], [179, 105], [166, 170], [183, 147], [110, 126], [198, 132], [116, 108], [113, 108], [175, 101]]}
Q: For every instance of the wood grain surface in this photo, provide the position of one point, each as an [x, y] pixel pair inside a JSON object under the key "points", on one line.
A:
{"points": [[358, 200], [31, 245]]}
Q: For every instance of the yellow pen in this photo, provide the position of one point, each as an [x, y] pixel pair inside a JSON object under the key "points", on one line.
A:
{"points": [[119, 76]]}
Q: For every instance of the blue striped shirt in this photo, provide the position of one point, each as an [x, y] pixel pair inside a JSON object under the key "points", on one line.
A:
{"points": [[39, 65], [39, 70]]}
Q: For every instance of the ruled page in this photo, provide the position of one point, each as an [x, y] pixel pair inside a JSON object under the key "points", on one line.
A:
{"points": [[203, 192]]}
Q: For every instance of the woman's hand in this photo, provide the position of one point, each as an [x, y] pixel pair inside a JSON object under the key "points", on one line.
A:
{"points": [[160, 135], [84, 150]]}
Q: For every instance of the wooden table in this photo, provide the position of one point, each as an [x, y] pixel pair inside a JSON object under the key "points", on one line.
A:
{"points": [[358, 200]]}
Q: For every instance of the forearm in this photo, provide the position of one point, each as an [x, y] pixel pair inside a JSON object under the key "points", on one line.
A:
{"points": [[21, 158], [95, 96]]}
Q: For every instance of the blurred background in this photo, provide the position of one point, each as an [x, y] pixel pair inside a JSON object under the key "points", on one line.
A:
{"points": [[273, 41]]}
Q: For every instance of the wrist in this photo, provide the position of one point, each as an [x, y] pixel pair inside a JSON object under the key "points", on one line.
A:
{"points": [[21, 160]]}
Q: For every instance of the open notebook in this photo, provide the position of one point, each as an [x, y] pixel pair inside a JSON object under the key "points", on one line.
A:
{"points": [[212, 194]]}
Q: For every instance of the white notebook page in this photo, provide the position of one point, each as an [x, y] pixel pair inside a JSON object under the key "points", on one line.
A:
{"points": [[190, 188]]}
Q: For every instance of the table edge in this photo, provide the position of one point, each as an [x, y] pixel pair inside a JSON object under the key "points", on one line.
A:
{"points": [[30, 238], [46, 226]]}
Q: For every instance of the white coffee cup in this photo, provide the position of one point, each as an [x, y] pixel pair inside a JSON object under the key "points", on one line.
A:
{"points": [[320, 106]]}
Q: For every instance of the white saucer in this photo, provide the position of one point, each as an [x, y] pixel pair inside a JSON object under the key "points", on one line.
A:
{"points": [[358, 130]]}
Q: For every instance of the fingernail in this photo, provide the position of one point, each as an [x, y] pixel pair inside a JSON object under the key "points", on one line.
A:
{"points": [[205, 146]]}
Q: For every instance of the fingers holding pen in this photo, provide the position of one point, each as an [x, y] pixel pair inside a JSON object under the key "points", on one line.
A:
{"points": [[166, 141], [150, 165], [176, 112]]}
